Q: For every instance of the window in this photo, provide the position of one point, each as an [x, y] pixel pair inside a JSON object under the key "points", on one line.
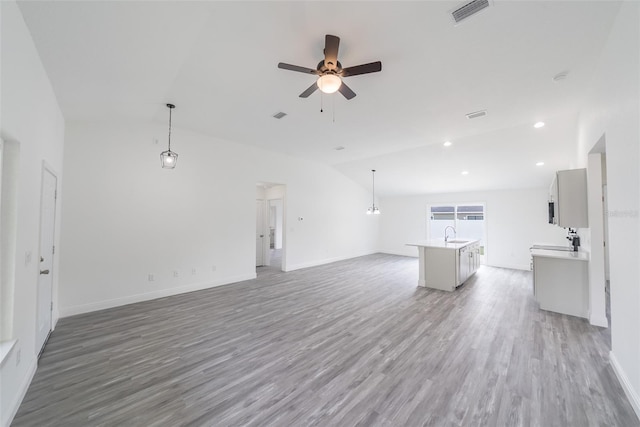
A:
{"points": [[467, 219]]}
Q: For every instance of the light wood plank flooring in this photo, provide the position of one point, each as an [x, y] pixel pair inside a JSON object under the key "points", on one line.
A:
{"points": [[353, 343]]}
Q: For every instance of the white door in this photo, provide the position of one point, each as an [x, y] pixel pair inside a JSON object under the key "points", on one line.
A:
{"points": [[45, 279], [260, 233]]}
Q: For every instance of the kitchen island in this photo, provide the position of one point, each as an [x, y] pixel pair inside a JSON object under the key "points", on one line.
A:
{"points": [[447, 265]]}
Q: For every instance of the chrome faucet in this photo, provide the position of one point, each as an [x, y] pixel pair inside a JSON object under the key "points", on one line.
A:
{"points": [[446, 237]]}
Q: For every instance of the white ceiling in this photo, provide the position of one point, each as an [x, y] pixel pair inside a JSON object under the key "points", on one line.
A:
{"points": [[217, 61]]}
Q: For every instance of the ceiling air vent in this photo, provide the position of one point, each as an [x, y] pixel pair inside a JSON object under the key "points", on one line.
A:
{"points": [[471, 8], [279, 115], [476, 114]]}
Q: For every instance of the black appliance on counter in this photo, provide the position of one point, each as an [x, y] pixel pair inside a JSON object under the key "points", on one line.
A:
{"points": [[574, 239]]}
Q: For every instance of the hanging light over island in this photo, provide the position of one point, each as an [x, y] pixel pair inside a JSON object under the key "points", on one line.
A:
{"points": [[373, 209], [168, 159]]}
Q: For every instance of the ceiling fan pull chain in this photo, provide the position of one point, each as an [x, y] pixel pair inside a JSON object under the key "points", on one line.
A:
{"points": [[321, 103]]}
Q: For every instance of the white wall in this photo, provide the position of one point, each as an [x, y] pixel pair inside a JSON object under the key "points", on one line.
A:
{"points": [[124, 217], [612, 109], [515, 219], [31, 121]]}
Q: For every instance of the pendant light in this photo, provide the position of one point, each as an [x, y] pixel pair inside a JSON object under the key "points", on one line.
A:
{"points": [[168, 159], [373, 209]]}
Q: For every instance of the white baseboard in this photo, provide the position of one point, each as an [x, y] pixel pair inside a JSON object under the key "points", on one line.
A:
{"points": [[325, 261], [413, 254], [131, 299], [525, 267], [21, 393], [624, 382], [600, 321]]}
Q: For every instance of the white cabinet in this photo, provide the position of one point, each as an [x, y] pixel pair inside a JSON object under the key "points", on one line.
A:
{"points": [[469, 261], [568, 193], [561, 282], [447, 265]]}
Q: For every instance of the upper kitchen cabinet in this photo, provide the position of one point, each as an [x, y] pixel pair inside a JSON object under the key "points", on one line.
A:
{"points": [[568, 199]]}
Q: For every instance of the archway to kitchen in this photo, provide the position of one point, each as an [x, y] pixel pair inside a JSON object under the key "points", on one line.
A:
{"points": [[270, 228]]}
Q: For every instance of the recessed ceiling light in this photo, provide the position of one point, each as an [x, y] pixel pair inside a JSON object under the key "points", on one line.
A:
{"points": [[447, 144], [540, 164], [465, 172], [538, 125]]}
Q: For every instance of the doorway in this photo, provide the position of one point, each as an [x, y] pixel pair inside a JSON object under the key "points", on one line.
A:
{"points": [[270, 228], [47, 252], [275, 222]]}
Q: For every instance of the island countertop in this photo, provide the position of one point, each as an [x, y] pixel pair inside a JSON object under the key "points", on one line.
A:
{"points": [[438, 243]]}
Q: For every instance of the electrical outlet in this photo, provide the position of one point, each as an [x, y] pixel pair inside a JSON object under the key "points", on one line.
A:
{"points": [[151, 277], [213, 267], [18, 354], [175, 273], [193, 271]]}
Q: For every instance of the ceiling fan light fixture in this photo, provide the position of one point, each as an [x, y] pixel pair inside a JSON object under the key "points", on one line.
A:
{"points": [[329, 83]]}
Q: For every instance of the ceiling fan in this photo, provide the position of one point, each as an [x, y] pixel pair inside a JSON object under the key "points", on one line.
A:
{"points": [[330, 71]]}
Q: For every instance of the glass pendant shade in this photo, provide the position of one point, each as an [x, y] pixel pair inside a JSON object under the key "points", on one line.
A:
{"points": [[329, 83], [168, 159]]}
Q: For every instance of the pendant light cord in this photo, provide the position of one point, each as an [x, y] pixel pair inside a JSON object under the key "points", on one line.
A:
{"points": [[373, 194], [170, 128]]}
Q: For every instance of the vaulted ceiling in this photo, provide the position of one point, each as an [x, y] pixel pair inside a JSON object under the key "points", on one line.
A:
{"points": [[217, 61]]}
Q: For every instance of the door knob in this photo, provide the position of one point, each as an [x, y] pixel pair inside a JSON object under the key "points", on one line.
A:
{"points": [[44, 271]]}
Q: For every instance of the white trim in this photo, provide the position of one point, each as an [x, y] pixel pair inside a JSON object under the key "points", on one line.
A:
{"points": [[525, 267], [326, 261], [624, 382], [5, 350], [22, 391], [117, 302], [600, 321]]}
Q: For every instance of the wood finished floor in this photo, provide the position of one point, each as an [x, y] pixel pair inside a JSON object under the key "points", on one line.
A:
{"points": [[353, 343]]}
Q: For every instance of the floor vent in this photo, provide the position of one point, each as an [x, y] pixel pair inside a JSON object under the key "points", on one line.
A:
{"points": [[476, 114], [279, 115], [471, 8]]}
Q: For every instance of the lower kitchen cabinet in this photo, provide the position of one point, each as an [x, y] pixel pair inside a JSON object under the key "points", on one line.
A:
{"points": [[561, 282]]}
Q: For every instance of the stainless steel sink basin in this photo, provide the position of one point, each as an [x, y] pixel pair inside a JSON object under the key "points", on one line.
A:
{"points": [[456, 241]]}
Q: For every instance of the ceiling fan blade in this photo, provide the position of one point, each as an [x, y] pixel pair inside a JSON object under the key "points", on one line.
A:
{"points": [[346, 91], [372, 67], [331, 44], [309, 90], [297, 68]]}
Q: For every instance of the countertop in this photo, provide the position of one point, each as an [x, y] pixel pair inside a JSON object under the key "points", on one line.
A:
{"points": [[575, 256], [442, 244]]}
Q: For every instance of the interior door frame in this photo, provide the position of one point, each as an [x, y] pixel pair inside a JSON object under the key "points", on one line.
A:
{"points": [[282, 231], [265, 258], [46, 168]]}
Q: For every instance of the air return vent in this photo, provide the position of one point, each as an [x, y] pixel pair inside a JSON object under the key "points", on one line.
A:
{"points": [[476, 114], [279, 115], [471, 8]]}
